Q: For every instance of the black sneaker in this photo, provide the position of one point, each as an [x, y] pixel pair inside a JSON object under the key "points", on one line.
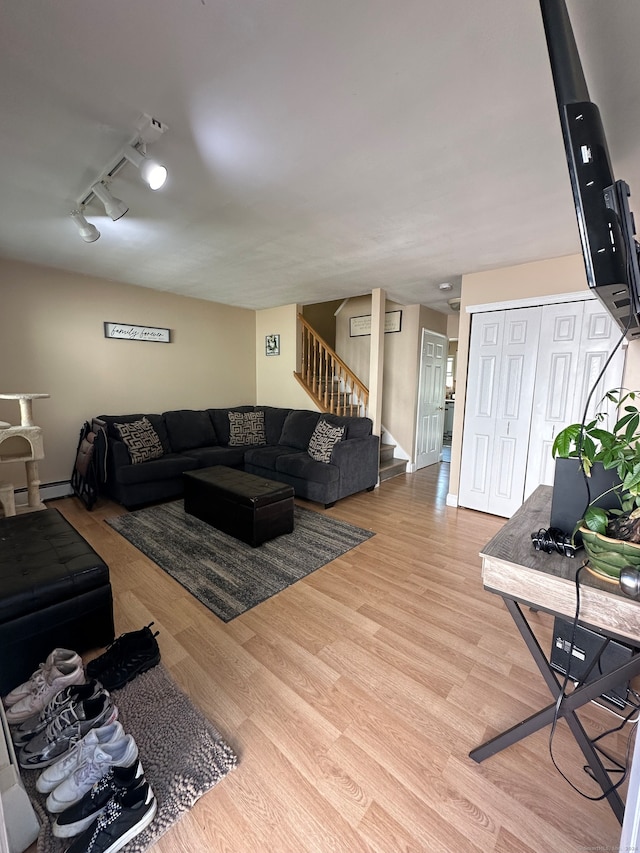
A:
{"points": [[134, 661], [81, 815], [121, 647], [124, 817]]}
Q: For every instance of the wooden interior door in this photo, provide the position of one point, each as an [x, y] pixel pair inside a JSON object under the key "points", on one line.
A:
{"points": [[431, 393]]}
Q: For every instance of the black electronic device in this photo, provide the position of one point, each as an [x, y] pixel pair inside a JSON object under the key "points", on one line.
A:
{"points": [[592, 657], [605, 221]]}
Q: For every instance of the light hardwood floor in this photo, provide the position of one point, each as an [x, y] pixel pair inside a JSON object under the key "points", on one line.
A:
{"points": [[353, 697]]}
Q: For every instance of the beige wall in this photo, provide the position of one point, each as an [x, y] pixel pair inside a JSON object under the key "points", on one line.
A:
{"points": [[275, 383], [321, 318], [453, 325], [52, 341], [543, 278], [401, 362]]}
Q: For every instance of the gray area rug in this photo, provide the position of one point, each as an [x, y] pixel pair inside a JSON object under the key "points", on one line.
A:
{"points": [[182, 754], [223, 573]]}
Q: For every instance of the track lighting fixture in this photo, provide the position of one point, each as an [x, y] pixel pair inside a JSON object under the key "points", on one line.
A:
{"points": [[152, 172], [114, 207], [148, 131], [87, 231]]}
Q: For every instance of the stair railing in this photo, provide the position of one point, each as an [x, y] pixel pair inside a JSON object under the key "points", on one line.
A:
{"points": [[327, 379]]}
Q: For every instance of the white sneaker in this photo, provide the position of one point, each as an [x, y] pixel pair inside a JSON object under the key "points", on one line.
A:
{"points": [[56, 773], [45, 685], [57, 656], [71, 790]]}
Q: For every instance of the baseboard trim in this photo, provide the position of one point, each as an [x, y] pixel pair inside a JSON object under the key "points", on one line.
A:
{"points": [[48, 492], [452, 500]]}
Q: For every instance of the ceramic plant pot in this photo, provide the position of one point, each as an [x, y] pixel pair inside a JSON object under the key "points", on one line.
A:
{"points": [[606, 557]]}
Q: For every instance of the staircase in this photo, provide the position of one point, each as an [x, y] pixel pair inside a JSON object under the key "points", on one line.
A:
{"points": [[327, 379], [335, 389], [389, 465]]}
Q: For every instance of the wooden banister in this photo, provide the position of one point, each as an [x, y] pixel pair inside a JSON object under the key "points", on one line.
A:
{"points": [[327, 379]]}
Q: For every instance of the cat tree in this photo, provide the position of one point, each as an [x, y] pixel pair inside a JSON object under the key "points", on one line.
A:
{"points": [[22, 443]]}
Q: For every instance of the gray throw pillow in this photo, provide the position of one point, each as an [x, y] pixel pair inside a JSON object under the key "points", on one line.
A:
{"points": [[323, 440], [141, 439], [246, 428]]}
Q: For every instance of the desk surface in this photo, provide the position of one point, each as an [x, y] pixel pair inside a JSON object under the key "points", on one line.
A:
{"points": [[512, 567]]}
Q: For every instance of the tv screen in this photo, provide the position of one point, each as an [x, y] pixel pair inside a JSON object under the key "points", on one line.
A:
{"points": [[605, 221]]}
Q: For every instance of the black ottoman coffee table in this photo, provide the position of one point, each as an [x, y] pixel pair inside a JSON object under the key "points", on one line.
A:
{"points": [[243, 505], [54, 593]]}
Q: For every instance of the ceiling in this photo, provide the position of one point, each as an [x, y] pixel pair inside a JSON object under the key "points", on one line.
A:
{"points": [[316, 150]]}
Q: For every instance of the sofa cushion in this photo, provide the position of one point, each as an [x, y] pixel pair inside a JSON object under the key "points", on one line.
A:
{"points": [[156, 421], [246, 428], [265, 457], [298, 428], [274, 419], [323, 439], [301, 465], [171, 465], [232, 457], [220, 421], [354, 427], [141, 439], [189, 428]]}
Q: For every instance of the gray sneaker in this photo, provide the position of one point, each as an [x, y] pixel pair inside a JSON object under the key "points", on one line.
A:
{"points": [[71, 695], [66, 729]]}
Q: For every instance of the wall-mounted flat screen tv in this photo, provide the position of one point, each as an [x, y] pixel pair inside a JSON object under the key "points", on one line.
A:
{"points": [[605, 221]]}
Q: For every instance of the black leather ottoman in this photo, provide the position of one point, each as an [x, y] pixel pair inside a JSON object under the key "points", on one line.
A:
{"points": [[54, 592], [243, 505]]}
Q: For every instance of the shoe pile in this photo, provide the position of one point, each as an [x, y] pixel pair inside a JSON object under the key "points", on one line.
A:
{"points": [[98, 792], [64, 723]]}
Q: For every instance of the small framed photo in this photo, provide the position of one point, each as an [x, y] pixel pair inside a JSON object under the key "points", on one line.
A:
{"points": [[272, 345]]}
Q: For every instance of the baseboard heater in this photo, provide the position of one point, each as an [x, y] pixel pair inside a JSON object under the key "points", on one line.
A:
{"points": [[587, 646]]}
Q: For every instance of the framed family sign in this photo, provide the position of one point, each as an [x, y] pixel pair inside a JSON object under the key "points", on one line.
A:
{"points": [[127, 332], [359, 326]]}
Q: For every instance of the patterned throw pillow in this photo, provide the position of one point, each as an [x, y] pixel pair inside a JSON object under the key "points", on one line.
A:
{"points": [[324, 438], [246, 428], [141, 439]]}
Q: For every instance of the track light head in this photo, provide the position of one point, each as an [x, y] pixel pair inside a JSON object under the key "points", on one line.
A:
{"points": [[152, 172], [114, 207], [87, 231]]}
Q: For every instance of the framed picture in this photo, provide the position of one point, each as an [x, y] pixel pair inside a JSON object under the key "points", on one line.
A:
{"points": [[360, 326], [272, 345], [127, 332]]}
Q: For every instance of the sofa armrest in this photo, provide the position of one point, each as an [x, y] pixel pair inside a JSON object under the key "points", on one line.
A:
{"points": [[119, 454], [358, 460]]}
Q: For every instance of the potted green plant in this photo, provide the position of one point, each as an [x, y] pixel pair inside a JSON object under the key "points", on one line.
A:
{"points": [[610, 523]]}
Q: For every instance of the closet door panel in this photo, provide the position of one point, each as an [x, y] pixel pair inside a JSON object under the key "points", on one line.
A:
{"points": [[555, 387], [499, 394], [583, 336], [480, 409], [515, 396]]}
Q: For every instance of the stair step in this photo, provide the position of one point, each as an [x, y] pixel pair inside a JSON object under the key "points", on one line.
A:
{"points": [[386, 452], [392, 468]]}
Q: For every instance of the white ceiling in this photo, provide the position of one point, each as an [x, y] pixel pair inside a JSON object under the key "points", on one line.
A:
{"points": [[317, 149]]}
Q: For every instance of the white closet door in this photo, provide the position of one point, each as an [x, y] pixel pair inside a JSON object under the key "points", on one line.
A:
{"points": [[575, 341], [502, 369]]}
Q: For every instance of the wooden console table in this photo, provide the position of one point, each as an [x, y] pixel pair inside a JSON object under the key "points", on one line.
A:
{"points": [[513, 569]]}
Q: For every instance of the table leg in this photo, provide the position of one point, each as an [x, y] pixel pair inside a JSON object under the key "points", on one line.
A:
{"points": [[574, 700]]}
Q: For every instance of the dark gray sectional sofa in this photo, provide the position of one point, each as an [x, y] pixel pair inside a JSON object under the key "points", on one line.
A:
{"points": [[192, 439]]}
